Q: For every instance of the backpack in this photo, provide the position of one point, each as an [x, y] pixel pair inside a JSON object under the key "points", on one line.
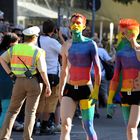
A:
{"points": [[109, 69]]}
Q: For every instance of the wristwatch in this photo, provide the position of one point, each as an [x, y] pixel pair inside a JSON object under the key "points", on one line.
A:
{"points": [[11, 74], [12, 77]]}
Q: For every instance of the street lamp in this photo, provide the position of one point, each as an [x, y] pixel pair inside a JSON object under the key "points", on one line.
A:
{"points": [[93, 17], [60, 13]]}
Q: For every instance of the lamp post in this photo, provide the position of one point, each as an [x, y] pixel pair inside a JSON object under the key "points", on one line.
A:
{"points": [[93, 17], [69, 8], [111, 34], [60, 14]]}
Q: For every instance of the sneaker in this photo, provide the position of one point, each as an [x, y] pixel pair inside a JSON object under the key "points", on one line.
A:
{"points": [[97, 115], [80, 116], [57, 128], [139, 125], [36, 129], [18, 127], [46, 132], [108, 116]]}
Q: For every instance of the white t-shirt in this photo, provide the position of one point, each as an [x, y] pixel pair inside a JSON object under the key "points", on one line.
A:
{"points": [[52, 48]]}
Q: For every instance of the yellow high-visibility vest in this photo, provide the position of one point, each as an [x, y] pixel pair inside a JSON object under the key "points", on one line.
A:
{"points": [[28, 54]]}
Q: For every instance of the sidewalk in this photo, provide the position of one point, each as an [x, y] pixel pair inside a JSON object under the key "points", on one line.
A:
{"points": [[107, 129]]}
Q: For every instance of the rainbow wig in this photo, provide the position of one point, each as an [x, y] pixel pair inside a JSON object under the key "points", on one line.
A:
{"points": [[131, 25]]}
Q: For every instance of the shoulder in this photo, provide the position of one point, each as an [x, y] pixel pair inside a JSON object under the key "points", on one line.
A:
{"points": [[47, 38], [103, 51], [104, 54], [92, 44], [18, 45], [40, 51], [120, 52], [53, 40]]}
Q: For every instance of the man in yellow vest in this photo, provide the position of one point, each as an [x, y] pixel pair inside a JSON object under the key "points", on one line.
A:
{"points": [[25, 60]]}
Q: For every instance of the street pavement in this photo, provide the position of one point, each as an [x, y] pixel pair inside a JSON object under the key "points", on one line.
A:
{"points": [[106, 129]]}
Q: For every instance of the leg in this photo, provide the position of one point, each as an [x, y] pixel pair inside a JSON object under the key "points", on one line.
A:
{"points": [[57, 111], [57, 118], [17, 99], [134, 119], [126, 112], [67, 110], [50, 104], [33, 95], [0, 107], [5, 103], [103, 93], [57, 114], [20, 117], [87, 118]]}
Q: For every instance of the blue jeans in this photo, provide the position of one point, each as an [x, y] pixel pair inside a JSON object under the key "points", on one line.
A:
{"points": [[4, 103]]}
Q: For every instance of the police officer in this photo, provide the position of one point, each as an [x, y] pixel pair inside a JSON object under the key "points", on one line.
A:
{"points": [[25, 60]]}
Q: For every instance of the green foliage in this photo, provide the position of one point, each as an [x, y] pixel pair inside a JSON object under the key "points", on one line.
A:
{"points": [[126, 1]]}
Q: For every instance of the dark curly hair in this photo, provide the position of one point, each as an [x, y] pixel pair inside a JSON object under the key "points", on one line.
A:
{"points": [[48, 26], [7, 39]]}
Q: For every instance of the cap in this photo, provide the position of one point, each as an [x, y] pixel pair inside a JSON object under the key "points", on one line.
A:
{"points": [[34, 30]]}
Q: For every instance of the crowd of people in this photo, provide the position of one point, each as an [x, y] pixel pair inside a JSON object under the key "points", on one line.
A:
{"points": [[42, 78]]}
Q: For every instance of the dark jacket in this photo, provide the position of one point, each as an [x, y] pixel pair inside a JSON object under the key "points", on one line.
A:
{"points": [[6, 84]]}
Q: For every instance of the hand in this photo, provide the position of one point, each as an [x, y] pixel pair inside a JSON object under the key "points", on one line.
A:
{"points": [[94, 97], [110, 110], [12, 77], [94, 101], [48, 91]]}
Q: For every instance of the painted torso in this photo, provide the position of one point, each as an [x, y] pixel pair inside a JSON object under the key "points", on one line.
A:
{"points": [[80, 57], [126, 60]]}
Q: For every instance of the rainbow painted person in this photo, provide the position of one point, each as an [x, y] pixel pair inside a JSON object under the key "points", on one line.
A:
{"points": [[78, 55], [128, 63]]}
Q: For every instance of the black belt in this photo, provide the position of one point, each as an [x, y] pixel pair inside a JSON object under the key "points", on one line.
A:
{"points": [[75, 86], [129, 92]]}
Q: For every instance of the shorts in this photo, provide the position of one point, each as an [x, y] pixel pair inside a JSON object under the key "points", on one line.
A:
{"points": [[49, 104], [131, 98], [77, 92]]}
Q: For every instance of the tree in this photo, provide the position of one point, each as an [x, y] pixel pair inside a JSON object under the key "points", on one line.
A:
{"points": [[126, 1]]}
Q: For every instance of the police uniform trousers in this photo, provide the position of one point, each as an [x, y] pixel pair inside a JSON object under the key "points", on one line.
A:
{"points": [[30, 90]]}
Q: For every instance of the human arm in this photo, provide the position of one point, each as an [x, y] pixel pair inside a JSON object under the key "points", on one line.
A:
{"points": [[42, 68], [46, 82], [63, 73], [104, 55], [4, 60], [56, 46], [5, 65], [115, 81], [113, 88], [97, 73], [61, 37]]}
